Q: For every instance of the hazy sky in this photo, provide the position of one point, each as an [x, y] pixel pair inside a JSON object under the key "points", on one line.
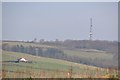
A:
{"points": [[61, 20]]}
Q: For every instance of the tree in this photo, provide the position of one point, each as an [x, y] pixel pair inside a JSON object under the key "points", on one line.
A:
{"points": [[40, 52]]}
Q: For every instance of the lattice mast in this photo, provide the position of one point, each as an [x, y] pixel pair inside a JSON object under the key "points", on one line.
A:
{"points": [[91, 33]]}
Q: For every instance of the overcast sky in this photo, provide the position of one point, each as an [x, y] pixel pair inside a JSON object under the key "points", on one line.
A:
{"points": [[67, 20]]}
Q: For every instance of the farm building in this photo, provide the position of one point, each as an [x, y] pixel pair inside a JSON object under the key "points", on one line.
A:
{"points": [[22, 60]]}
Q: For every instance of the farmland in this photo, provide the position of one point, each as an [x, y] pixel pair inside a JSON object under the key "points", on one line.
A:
{"points": [[48, 67], [87, 56]]}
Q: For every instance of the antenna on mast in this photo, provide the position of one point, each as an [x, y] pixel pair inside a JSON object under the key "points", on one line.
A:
{"points": [[91, 34]]}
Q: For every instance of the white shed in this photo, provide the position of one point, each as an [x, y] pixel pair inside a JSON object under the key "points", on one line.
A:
{"points": [[22, 60]]}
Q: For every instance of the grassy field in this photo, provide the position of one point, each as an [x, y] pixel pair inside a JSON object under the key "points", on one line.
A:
{"points": [[81, 53], [89, 54], [42, 67], [29, 44], [46, 67]]}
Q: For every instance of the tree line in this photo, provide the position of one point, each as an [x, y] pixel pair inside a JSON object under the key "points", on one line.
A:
{"points": [[108, 46], [55, 53], [38, 51]]}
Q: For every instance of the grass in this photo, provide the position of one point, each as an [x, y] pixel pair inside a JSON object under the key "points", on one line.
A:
{"points": [[28, 44], [82, 53], [87, 54], [92, 56], [46, 67], [53, 68]]}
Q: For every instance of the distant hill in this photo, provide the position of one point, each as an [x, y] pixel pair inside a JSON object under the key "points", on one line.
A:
{"points": [[108, 46], [96, 53]]}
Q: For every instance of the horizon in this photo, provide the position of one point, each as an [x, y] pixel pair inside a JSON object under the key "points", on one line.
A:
{"points": [[58, 40]]}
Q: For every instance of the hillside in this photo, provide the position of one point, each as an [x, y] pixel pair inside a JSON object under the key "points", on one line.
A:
{"points": [[45, 67], [86, 56]]}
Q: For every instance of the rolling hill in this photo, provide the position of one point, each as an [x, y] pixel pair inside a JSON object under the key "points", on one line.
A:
{"points": [[54, 61], [86, 56], [45, 67]]}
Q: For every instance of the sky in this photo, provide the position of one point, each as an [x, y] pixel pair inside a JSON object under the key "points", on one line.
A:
{"points": [[0, 21], [59, 20]]}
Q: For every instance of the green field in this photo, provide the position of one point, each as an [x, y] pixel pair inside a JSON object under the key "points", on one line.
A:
{"points": [[82, 53], [27, 44], [87, 54], [45, 67]]}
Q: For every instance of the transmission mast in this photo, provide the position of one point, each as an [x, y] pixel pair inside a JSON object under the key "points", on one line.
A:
{"points": [[90, 33]]}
